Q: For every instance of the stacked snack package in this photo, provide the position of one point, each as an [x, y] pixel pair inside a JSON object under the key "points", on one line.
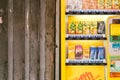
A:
{"points": [[108, 4], [79, 27], [93, 4], [71, 52], [86, 4], [71, 27], [101, 4], [116, 4]]}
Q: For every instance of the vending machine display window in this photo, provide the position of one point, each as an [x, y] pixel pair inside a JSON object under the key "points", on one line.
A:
{"points": [[90, 40]]}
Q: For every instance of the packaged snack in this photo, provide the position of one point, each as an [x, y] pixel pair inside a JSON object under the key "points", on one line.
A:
{"points": [[71, 28], [108, 4], [101, 27], [78, 4], [79, 27], [71, 52], [116, 4], [101, 52], [93, 27], [86, 53], [93, 4], [79, 52], [86, 27], [86, 4], [101, 4], [70, 5], [93, 53]]}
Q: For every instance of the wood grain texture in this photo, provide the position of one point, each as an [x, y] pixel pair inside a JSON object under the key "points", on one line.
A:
{"points": [[19, 40], [3, 41], [33, 49], [57, 41], [34, 39], [42, 39], [50, 40]]}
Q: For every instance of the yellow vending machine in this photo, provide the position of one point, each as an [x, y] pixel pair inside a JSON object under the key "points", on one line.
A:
{"points": [[90, 40]]}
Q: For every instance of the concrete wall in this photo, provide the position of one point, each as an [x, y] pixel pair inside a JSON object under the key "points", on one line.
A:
{"points": [[28, 40]]}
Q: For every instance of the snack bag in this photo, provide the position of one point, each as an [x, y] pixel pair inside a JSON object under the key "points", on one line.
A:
{"points": [[93, 4], [71, 28], [108, 4], [86, 53], [79, 28], [86, 27], [93, 27], [71, 52], [79, 52], [116, 4], [101, 4], [86, 4]]}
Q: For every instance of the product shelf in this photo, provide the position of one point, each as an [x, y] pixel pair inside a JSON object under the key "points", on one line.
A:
{"points": [[86, 37], [97, 12], [86, 62]]}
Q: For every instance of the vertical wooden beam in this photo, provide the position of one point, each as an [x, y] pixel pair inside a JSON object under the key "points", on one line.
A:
{"points": [[34, 39], [10, 40], [50, 40], [3, 41], [57, 41], [19, 39], [27, 55], [42, 39]]}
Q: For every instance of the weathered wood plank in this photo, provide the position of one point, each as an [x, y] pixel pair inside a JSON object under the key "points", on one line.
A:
{"points": [[3, 41], [57, 41], [27, 38], [34, 39], [10, 40], [42, 39], [50, 40], [19, 40]]}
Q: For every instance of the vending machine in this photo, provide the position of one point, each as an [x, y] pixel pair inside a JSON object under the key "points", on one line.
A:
{"points": [[90, 40]]}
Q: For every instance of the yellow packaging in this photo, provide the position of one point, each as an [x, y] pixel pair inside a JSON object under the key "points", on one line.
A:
{"points": [[71, 27], [79, 27], [108, 4], [101, 4], [116, 4], [71, 52], [93, 27], [86, 52], [85, 72], [86, 27]]}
